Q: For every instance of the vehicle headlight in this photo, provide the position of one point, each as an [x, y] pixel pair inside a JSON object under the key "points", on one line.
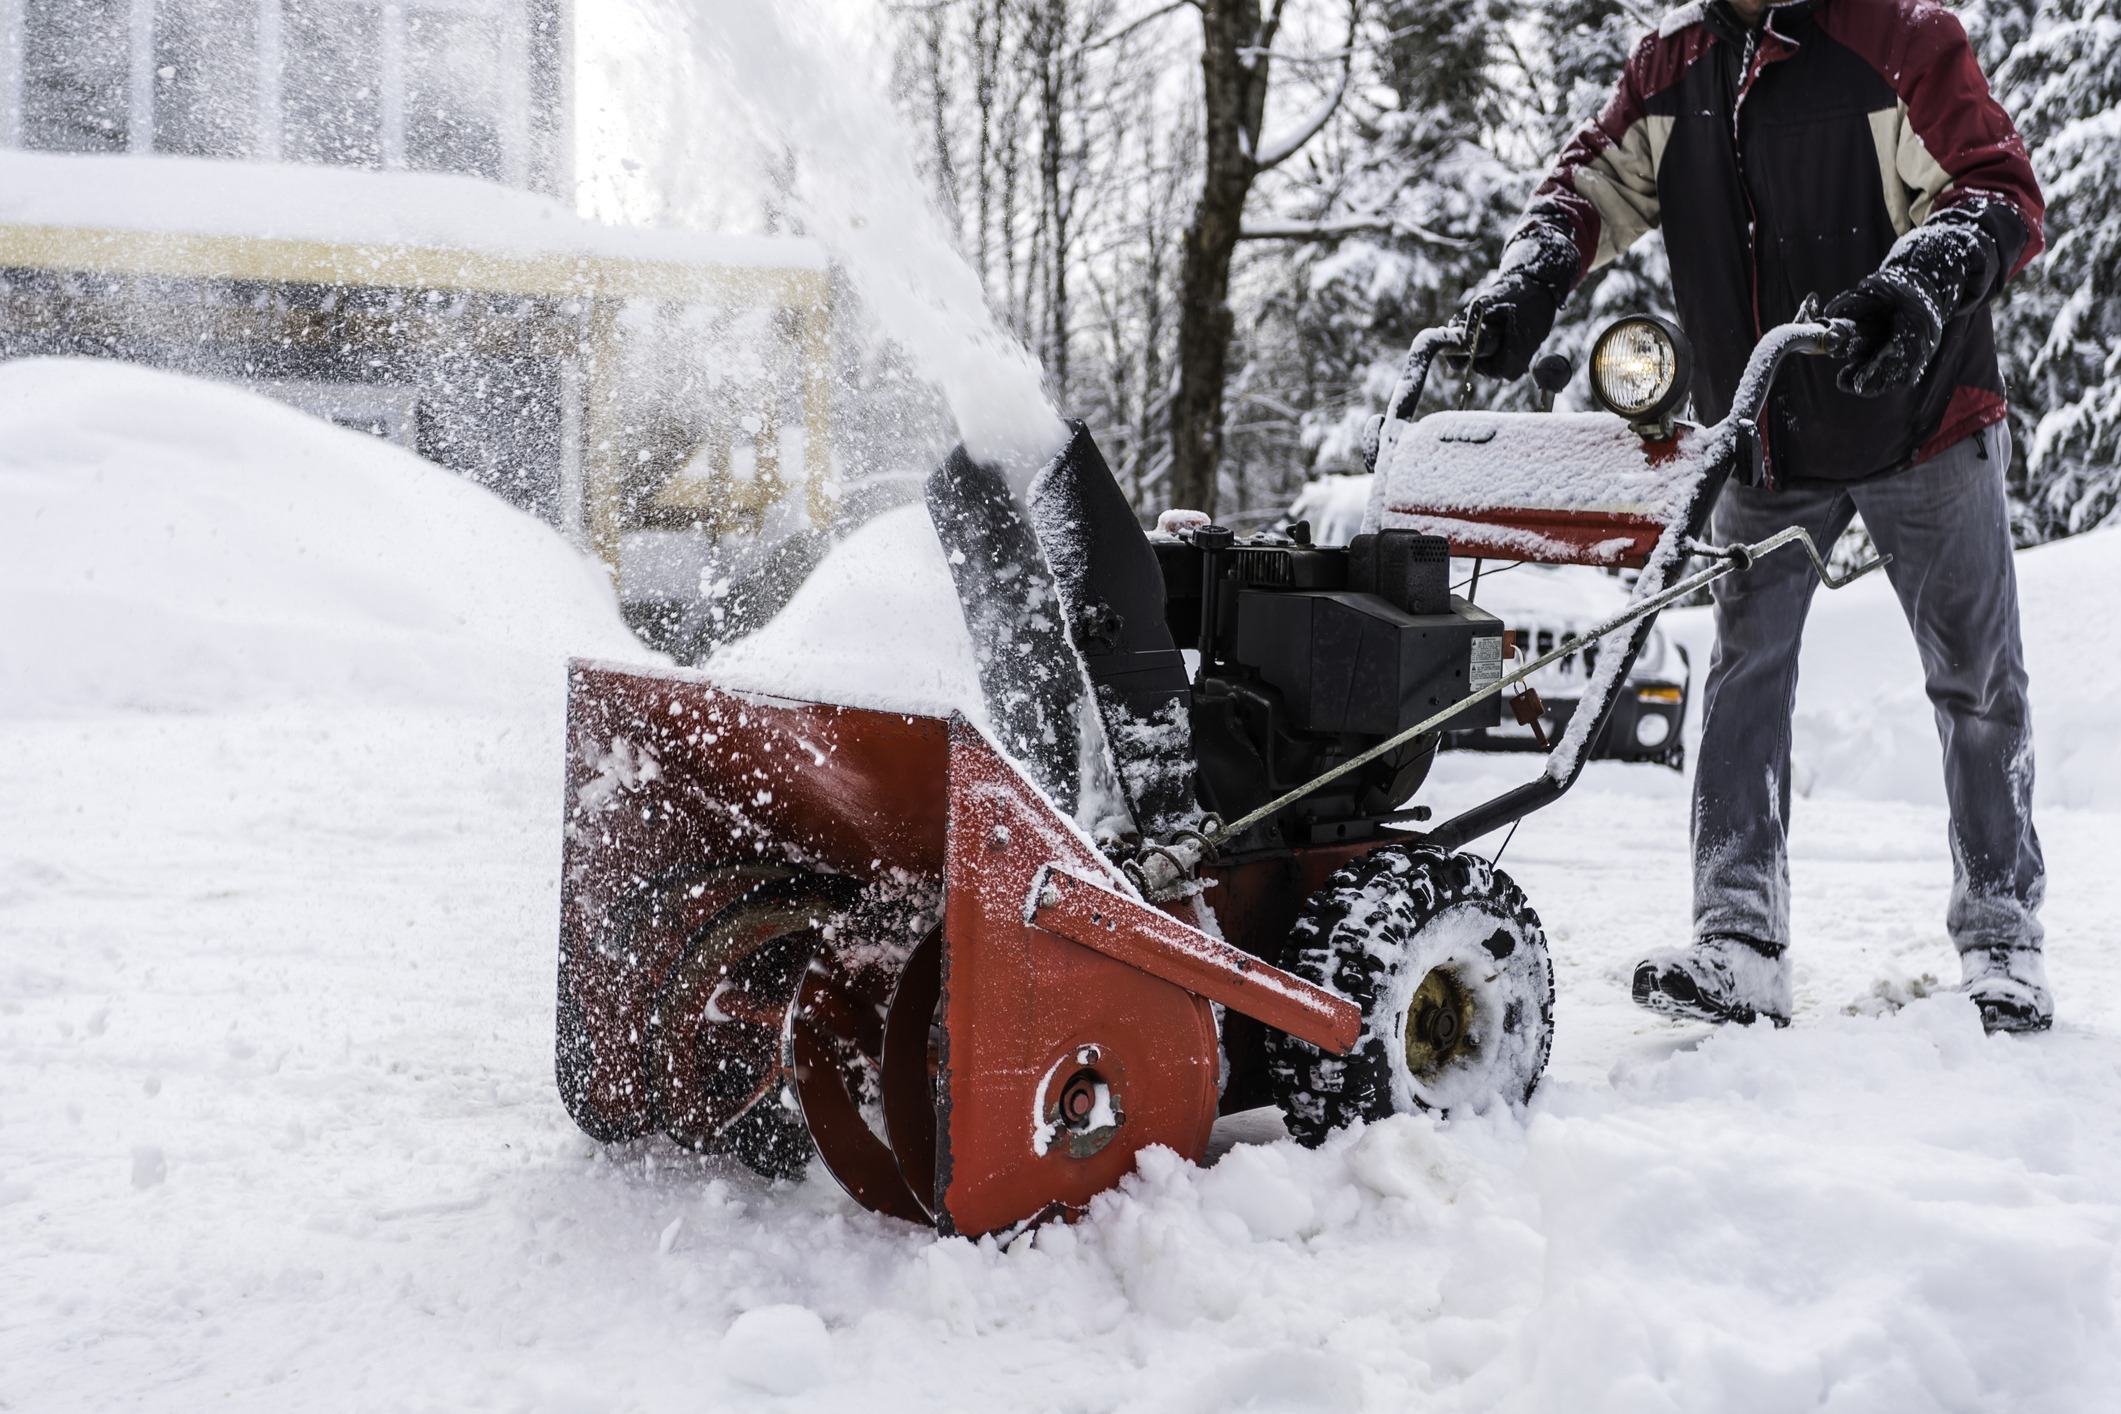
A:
{"points": [[1640, 367], [1652, 729]]}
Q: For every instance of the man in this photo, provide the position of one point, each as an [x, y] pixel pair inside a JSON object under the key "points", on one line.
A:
{"points": [[1849, 148]]}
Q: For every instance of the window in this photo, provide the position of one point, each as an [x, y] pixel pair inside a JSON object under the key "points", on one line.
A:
{"points": [[453, 93], [331, 85], [464, 86], [76, 56], [206, 63]]}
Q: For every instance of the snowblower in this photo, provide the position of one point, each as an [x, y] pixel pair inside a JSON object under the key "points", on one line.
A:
{"points": [[975, 968]]}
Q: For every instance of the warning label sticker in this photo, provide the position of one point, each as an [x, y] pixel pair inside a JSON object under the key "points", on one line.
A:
{"points": [[1486, 670]]}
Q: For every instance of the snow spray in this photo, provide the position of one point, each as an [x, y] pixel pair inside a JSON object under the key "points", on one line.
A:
{"points": [[806, 88]]}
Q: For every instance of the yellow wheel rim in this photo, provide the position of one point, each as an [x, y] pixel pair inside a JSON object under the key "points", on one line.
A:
{"points": [[1439, 1023]]}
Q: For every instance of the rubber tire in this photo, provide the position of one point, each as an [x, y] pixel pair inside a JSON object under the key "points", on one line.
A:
{"points": [[1376, 929]]}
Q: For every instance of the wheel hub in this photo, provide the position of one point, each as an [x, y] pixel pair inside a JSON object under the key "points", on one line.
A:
{"points": [[1439, 1022]]}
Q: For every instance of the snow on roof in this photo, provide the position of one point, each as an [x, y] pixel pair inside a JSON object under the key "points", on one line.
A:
{"points": [[175, 215]]}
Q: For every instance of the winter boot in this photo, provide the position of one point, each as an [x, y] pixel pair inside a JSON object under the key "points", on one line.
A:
{"points": [[2010, 986], [1720, 978]]}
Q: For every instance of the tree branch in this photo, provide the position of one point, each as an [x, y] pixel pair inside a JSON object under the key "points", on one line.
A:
{"points": [[1306, 232], [1273, 154], [1332, 56], [1138, 23], [1261, 49]]}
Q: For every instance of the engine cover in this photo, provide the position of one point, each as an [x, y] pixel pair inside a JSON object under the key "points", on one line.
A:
{"points": [[1347, 662]]}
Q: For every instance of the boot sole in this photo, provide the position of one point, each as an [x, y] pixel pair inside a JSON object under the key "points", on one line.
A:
{"points": [[2009, 1021], [1653, 997], [2009, 1007]]}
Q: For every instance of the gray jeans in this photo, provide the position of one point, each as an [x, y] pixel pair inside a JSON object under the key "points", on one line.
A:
{"points": [[1947, 529]]}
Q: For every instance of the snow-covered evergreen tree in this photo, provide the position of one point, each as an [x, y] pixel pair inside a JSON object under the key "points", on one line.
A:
{"points": [[2056, 66], [1454, 109], [1483, 100], [1403, 210]]}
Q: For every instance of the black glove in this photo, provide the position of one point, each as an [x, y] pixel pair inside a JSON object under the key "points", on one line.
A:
{"points": [[1518, 302], [1939, 270]]}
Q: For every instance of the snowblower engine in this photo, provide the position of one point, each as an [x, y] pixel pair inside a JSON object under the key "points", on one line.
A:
{"points": [[1312, 654]]}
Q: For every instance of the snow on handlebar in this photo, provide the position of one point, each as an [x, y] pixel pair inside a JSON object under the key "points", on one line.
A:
{"points": [[1824, 338]]}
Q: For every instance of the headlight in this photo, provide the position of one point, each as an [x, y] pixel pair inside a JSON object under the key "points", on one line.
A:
{"points": [[1652, 729], [1640, 367]]}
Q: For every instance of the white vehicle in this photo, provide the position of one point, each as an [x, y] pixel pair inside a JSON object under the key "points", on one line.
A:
{"points": [[1544, 607]]}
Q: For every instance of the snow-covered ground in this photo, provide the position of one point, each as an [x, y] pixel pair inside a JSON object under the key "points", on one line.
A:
{"points": [[278, 1129]]}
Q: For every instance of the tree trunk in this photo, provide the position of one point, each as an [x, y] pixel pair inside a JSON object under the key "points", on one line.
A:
{"points": [[1049, 44], [985, 46], [939, 117], [1234, 92]]}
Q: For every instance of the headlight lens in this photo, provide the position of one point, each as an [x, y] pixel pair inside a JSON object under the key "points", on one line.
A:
{"points": [[1639, 367], [1635, 366], [1652, 729]]}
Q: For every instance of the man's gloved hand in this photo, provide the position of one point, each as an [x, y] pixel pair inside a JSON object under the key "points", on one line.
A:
{"points": [[1936, 271], [1516, 313], [1898, 328], [1518, 302]]}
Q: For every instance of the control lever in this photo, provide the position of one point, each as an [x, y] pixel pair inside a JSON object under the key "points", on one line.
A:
{"points": [[1551, 374]]}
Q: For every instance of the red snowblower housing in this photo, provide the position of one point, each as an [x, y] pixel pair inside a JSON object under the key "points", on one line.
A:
{"points": [[975, 969], [870, 910]]}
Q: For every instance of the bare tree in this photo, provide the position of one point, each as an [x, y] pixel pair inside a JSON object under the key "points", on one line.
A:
{"points": [[1052, 149], [1237, 43]]}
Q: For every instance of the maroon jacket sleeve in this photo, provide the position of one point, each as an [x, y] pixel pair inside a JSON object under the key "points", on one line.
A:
{"points": [[1957, 149]]}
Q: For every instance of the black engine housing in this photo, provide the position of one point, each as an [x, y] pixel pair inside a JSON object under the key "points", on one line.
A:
{"points": [[1310, 655]]}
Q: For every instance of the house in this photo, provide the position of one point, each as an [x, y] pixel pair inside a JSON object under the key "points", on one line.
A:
{"points": [[365, 210]]}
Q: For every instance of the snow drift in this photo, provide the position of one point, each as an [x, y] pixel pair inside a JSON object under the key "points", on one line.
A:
{"points": [[876, 625], [169, 544], [276, 1032], [1864, 725]]}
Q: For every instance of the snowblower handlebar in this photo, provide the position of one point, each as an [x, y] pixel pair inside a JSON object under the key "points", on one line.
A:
{"points": [[1808, 334], [1821, 338], [1166, 870]]}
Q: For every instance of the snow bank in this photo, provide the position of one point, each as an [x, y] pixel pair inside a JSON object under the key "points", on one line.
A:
{"points": [[168, 544], [876, 625], [1864, 726], [280, 1132], [1334, 505]]}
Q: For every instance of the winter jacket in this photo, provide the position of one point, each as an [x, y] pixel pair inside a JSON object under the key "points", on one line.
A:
{"points": [[1786, 161]]}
